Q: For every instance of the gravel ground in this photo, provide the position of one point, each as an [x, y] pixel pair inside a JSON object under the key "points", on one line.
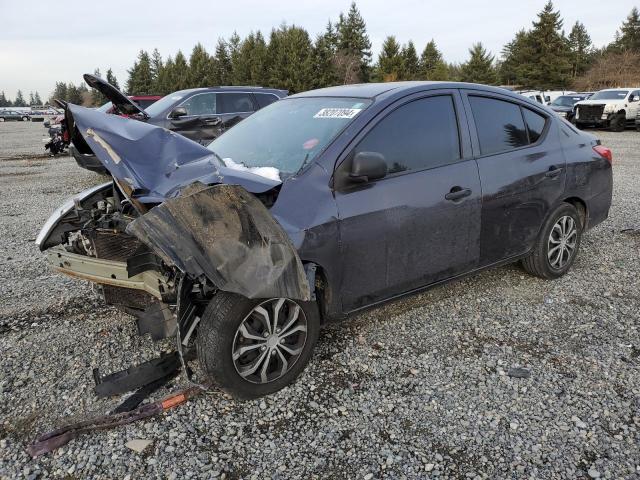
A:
{"points": [[22, 140], [421, 387]]}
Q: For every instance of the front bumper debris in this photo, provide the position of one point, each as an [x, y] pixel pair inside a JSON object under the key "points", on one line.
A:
{"points": [[106, 272]]}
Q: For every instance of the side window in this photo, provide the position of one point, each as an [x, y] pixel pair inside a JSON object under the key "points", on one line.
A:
{"points": [[535, 124], [420, 134], [201, 104], [265, 99], [499, 125], [635, 96], [234, 103]]}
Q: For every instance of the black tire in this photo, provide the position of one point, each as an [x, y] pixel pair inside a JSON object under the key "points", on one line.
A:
{"points": [[217, 331], [579, 125], [617, 122], [538, 262], [25, 119]]}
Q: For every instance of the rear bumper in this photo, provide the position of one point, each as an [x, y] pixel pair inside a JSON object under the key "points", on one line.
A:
{"points": [[87, 161], [106, 272]]}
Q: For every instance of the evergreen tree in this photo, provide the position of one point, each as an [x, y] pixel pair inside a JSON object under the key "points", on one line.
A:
{"points": [[290, 59], [354, 47], [19, 101], [111, 78], [37, 99], [389, 67], [60, 91], [410, 62], [550, 66], [3, 100], [178, 73], [32, 100], [156, 67], [74, 94], [163, 84], [479, 68], [234, 55], [200, 72], [222, 68], [140, 76], [517, 60], [324, 52], [581, 51], [432, 65], [628, 38]]}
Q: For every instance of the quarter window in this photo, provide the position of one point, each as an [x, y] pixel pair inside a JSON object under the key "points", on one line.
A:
{"points": [[418, 135], [499, 125], [201, 104], [535, 124], [234, 103]]}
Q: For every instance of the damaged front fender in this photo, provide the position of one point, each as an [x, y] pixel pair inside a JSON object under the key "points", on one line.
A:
{"points": [[227, 235]]}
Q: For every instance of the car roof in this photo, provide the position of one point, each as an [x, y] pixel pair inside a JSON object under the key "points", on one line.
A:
{"points": [[392, 89], [239, 88]]}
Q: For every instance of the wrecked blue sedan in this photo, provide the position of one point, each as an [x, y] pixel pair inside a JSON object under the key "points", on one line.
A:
{"points": [[318, 206]]}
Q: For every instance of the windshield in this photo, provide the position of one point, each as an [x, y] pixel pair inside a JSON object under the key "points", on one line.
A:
{"points": [[565, 101], [286, 134], [610, 95], [106, 107], [165, 102]]}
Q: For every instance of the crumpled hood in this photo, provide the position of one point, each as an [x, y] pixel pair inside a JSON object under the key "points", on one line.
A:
{"points": [[155, 163]]}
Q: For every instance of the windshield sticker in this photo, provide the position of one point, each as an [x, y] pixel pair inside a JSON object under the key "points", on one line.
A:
{"points": [[337, 113]]}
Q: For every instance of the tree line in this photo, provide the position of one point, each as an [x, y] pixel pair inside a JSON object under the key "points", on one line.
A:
{"points": [[541, 57], [33, 101]]}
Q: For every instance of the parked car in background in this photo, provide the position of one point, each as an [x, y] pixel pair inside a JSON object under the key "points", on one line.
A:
{"points": [[613, 108], [563, 105], [200, 114], [535, 95], [321, 205], [142, 101], [13, 116], [551, 95]]}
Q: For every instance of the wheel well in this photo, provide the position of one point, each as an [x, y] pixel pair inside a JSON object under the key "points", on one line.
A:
{"points": [[581, 207], [323, 293]]}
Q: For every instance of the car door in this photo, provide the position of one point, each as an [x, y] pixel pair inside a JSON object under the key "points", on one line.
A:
{"points": [[522, 172], [421, 222], [232, 108], [201, 121]]}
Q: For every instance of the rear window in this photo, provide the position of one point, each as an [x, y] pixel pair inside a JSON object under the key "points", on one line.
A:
{"points": [[535, 124], [145, 103]]}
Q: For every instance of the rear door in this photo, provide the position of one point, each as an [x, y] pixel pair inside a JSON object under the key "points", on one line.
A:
{"points": [[522, 172], [421, 223], [232, 108]]}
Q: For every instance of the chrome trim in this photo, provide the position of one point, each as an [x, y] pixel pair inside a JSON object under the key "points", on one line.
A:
{"points": [[63, 210]]}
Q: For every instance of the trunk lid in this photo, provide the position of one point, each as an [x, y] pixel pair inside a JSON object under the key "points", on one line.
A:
{"points": [[119, 99]]}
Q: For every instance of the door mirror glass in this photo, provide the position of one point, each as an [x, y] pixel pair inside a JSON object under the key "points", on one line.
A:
{"points": [[178, 112], [368, 166]]}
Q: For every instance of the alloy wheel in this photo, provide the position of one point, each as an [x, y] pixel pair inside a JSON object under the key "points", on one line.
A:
{"points": [[269, 340], [562, 242]]}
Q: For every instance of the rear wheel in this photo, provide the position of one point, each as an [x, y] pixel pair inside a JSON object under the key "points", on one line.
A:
{"points": [[617, 122], [1, 119], [25, 119], [557, 245], [252, 348]]}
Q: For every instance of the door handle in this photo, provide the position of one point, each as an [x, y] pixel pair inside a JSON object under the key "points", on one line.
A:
{"points": [[553, 172], [212, 120], [456, 193]]}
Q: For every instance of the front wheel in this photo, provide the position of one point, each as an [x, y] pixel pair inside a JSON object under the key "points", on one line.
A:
{"points": [[617, 122], [25, 119], [1, 119], [252, 348], [557, 245]]}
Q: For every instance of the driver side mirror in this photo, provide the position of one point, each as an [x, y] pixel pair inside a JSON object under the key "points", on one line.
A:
{"points": [[178, 112], [367, 166]]}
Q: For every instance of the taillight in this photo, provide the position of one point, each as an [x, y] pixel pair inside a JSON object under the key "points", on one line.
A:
{"points": [[604, 152]]}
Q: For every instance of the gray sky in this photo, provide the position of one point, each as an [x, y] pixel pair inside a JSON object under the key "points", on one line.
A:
{"points": [[45, 42]]}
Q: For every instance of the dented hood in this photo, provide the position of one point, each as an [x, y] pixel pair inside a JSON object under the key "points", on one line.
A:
{"points": [[151, 162], [120, 101]]}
